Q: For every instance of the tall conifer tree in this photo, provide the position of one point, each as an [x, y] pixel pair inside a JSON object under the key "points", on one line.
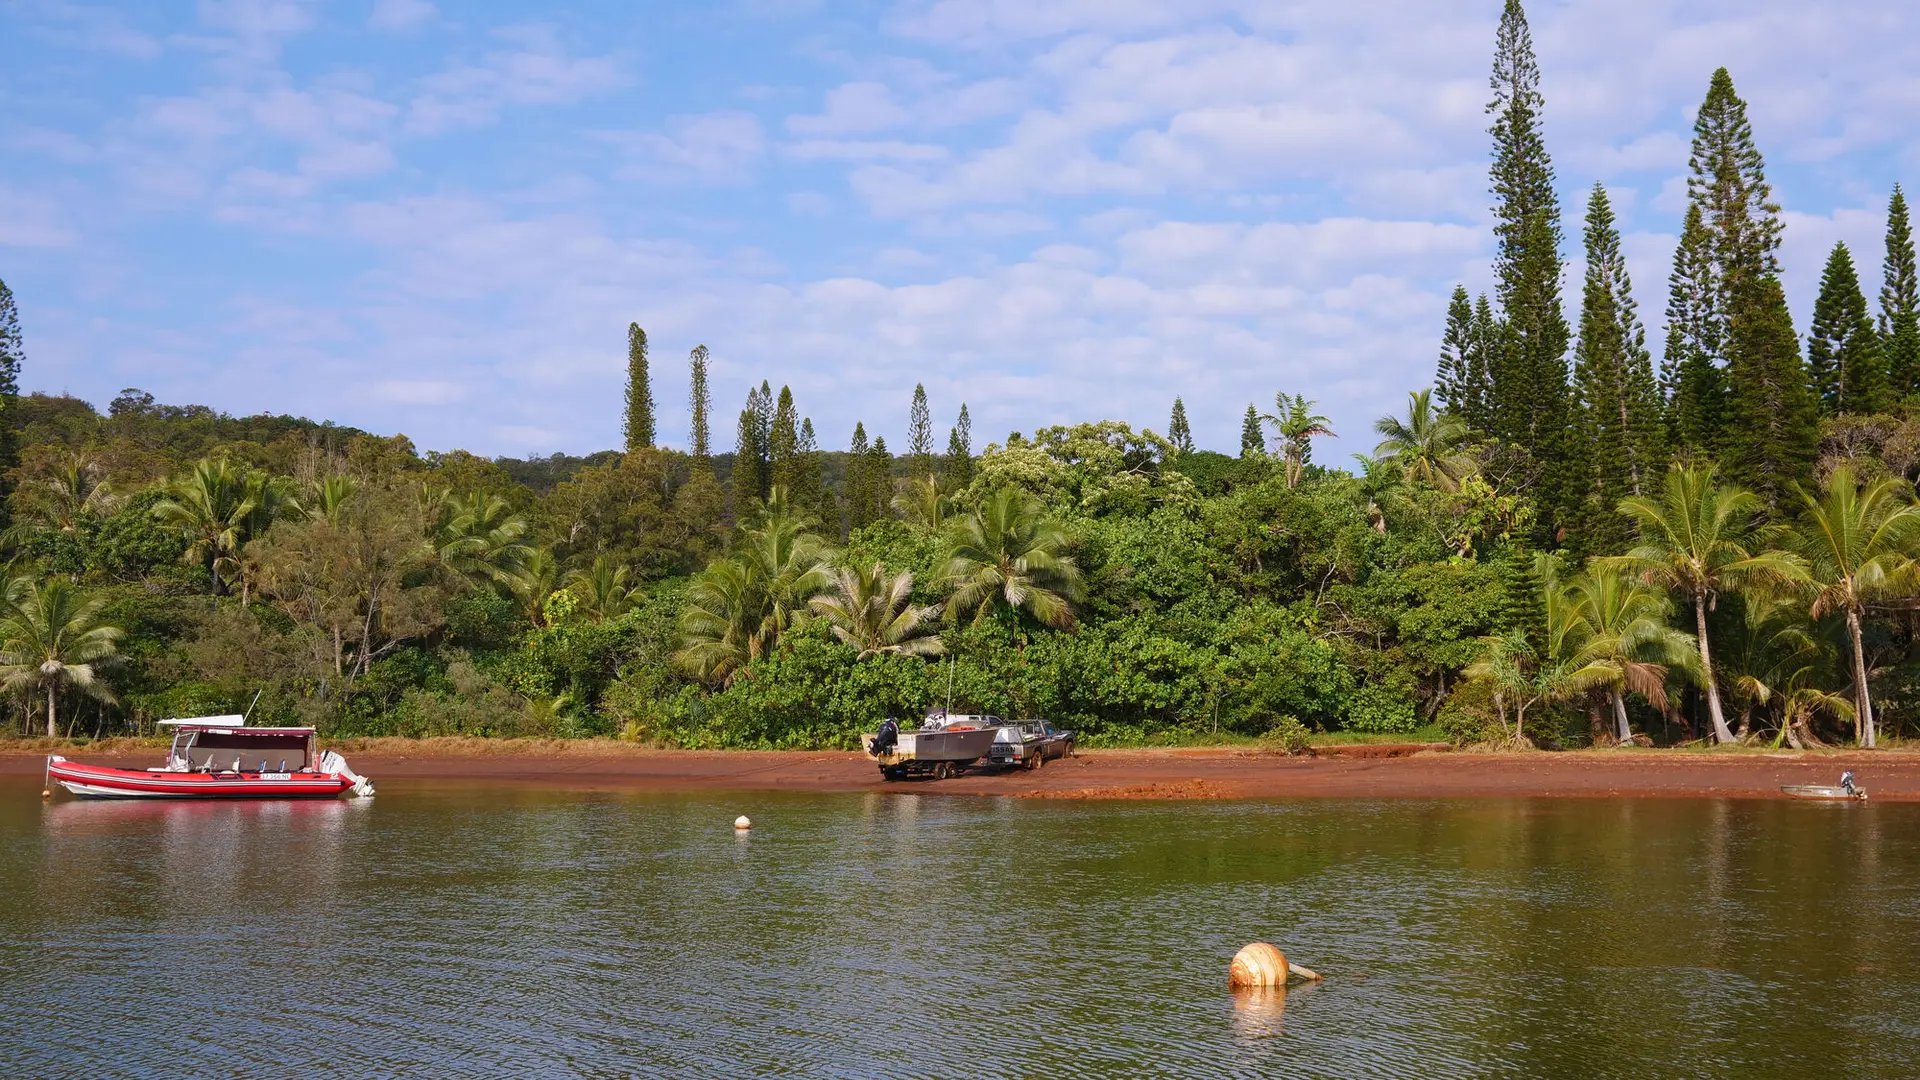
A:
{"points": [[699, 433], [13, 355], [1253, 440], [809, 489], [1728, 180], [1179, 432], [1691, 377], [639, 421], [749, 480], [1770, 444], [1900, 303], [783, 445], [1844, 362], [879, 479], [1531, 398], [960, 451], [859, 486], [1622, 429], [920, 434], [1458, 385]]}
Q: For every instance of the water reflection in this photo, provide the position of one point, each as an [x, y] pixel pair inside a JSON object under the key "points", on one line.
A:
{"points": [[453, 930]]}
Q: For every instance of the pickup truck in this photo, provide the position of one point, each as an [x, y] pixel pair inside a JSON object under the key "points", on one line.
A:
{"points": [[1029, 743]]}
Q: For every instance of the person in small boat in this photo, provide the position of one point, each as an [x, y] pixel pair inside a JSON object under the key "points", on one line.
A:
{"points": [[888, 738]]}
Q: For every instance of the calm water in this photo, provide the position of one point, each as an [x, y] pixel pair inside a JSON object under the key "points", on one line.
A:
{"points": [[456, 931]]}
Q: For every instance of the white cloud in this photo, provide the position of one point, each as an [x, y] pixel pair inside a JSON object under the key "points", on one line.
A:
{"points": [[853, 109], [720, 147], [401, 14], [538, 70], [32, 220]]}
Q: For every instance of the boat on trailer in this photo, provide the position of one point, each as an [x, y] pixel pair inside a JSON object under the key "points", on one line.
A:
{"points": [[219, 757]]}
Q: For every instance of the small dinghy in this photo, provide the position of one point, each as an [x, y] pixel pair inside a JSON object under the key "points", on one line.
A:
{"points": [[1843, 792]]}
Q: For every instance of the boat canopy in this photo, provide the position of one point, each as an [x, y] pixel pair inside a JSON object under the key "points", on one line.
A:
{"points": [[224, 720], [199, 746]]}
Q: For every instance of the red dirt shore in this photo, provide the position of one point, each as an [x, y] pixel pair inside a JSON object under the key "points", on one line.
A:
{"points": [[1369, 772]]}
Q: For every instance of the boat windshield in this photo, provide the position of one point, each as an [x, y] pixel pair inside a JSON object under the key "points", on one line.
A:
{"points": [[242, 750]]}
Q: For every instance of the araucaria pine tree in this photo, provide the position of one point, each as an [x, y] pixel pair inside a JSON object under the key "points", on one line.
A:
{"points": [[1462, 381], [809, 486], [1622, 437], [1900, 304], [920, 434], [13, 354], [1253, 440], [699, 435], [1179, 432], [1691, 378], [639, 425], [1844, 361], [783, 444], [1771, 443], [1728, 180], [859, 484], [960, 451], [749, 476], [1531, 399], [879, 479]]}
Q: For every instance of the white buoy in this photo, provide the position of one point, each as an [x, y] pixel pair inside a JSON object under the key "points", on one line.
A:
{"points": [[742, 823]]}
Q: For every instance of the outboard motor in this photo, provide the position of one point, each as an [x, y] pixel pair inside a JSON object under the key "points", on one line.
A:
{"points": [[1846, 781], [887, 739]]}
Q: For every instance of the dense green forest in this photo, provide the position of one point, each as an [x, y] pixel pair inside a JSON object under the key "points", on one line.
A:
{"points": [[1561, 543]]}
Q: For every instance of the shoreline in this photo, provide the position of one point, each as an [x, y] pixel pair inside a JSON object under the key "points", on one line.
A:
{"points": [[1362, 771]]}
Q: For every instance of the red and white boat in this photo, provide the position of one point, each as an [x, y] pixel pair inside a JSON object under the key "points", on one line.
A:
{"points": [[219, 757]]}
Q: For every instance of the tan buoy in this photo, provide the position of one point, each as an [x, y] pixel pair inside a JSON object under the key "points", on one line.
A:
{"points": [[1262, 965], [741, 823]]}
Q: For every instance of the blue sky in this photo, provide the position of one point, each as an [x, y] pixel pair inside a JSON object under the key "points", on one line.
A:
{"points": [[438, 218]]}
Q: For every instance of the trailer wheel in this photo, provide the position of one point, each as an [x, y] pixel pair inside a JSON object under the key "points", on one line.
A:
{"points": [[942, 771]]}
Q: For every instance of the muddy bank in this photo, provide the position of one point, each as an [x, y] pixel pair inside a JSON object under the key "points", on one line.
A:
{"points": [[1403, 772]]}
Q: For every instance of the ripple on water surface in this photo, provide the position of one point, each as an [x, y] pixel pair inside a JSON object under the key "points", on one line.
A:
{"points": [[465, 931]]}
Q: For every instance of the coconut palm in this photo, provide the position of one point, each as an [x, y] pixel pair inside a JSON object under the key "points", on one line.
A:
{"points": [[1624, 624], [329, 499], [76, 490], [923, 502], [739, 607], [874, 613], [52, 639], [1696, 537], [1296, 423], [534, 578], [603, 590], [1427, 443], [1557, 667], [1857, 540], [217, 507], [479, 538], [1777, 659], [1009, 552]]}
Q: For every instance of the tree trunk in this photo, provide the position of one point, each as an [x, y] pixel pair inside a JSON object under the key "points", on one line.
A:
{"points": [[51, 729], [1625, 732], [1721, 733], [1863, 701], [1596, 727]]}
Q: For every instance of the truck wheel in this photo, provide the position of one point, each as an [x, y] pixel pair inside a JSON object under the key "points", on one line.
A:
{"points": [[1039, 760]]}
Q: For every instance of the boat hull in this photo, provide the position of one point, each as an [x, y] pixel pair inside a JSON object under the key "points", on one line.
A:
{"points": [[105, 782], [1823, 793]]}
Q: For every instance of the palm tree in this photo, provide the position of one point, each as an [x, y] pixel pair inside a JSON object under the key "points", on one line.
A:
{"points": [[1427, 443], [77, 490], [217, 508], [1777, 658], [740, 606], [51, 638], [1553, 669], [1694, 541], [1857, 541], [479, 538], [1008, 551], [873, 612], [922, 502], [534, 578], [603, 590], [1295, 421], [329, 499], [1624, 624]]}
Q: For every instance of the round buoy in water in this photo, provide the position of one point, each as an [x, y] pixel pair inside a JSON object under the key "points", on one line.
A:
{"points": [[46, 793], [742, 823], [1259, 964]]}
